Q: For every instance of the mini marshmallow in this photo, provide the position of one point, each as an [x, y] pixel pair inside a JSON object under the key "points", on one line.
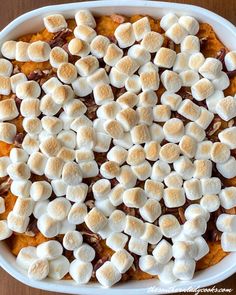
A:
{"points": [[109, 110], [5, 85], [184, 249], [53, 168], [171, 81], [99, 46], [67, 73], [28, 90], [17, 223], [151, 210], [50, 85], [161, 113], [58, 56], [202, 248], [26, 257], [210, 68], [195, 210], [72, 240], [89, 169], [226, 223], [110, 169], [74, 108], [16, 80], [148, 67], [134, 197], [40, 208], [117, 154], [51, 125], [165, 58], [103, 142], [141, 27], [226, 108], [184, 269], [174, 197], [148, 264], [85, 17], [195, 227], [220, 152], [152, 41], [59, 187], [166, 275], [160, 170], [202, 89], [85, 33], [55, 23], [127, 65], [58, 268], [67, 138], [117, 78], [49, 250], [8, 49], [116, 195], [117, 221], [135, 155], [48, 226], [176, 33], [205, 118], [39, 51], [4, 163], [142, 171], [203, 150], [154, 189], [210, 185], [101, 188], [173, 130], [102, 94], [30, 107], [6, 67], [85, 137], [149, 80], [190, 24], [137, 246], [37, 163], [194, 130], [221, 82], [228, 136], [168, 20], [173, 180], [81, 87], [169, 225], [192, 189], [40, 190], [99, 76], [188, 146], [140, 134], [30, 144], [116, 241], [169, 152], [138, 53], [152, 234], [133, 84], [172, 100], [227, 169], [80, 271], [190, 44], [230, 61], [112, 55], [152, 150], [181, 62], [213, 100], [84, 253], [82, 120], [66, 154], [162, 252], [203, 168], [113, 128], [125, 141], [124, 34], [32, 126], [18, 171], [126, 177], [77, 213], [50, 146], [128, 118], [6, 232], [228, 242], [23, 207], [38, 270], [227, 197], [134, 227], [108, 274], [22, 51], [71, 173], [95, 220], [189, 78], [210, 203], [78, 47], [184, 167], [196, 60]]}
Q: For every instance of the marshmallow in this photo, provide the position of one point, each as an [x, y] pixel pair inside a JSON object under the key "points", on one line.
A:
{"points": [[72, 240], [227, 197], [162, 252], [26, 257], [165, 58], [5, 85], [38, 270], [133, 84], [85, 33], [190, 24], [39, 51], [137, 246], [50, 85], [202, 89], [154, 189], [152, 234], [196, 60], [40, 190], [81, 87], [74, 108], [184, 269], [103, 142], [101, 188], [117, 79], [136, 155], [228, 136], [169, 225], [30, 144], [28, 90], [95, 220], [77, 213], [227, 169], [195, 210], [213, 100], [169, 152], [181, 62], [124, 34], [71, 174], [142, 171], [148, 264], [112, 55], [203, 168], [59, 187], [49, 250], [103, 94], [228, 242], [51, 125], [190, 44], [85, 137], [4, 163], [166, 275], [202, 248], [210, 203], [226, 108], [171, 81], [151, 210], [108, 274], [128, 118], [82, 120], [160, 170], [203, 150], [161, 113], [173, 180], [122, 260], [134, 197], [205, 118], [141, 55], [98, 77], [109, 110], [67, 73], [126, 177], [18, 171], [134, 227], [174, 197], [210, 185], [106, 208], [184, 167], [210, 68], [30, 107], [194, 130], [66, 154], [50, 146], [125, 141], [184, 249], [152, 41], [6, 67], [80, 271], [8, 49], [149, 80], [110, 169], [40, 208], [89, 169], [140, 134], [192, 189], [152, 150], [168, 20], [230, 61], [22, 51], [220, 152], [78, 47], [117, 221], [17, 223], [173, 130], [221, 82], [58, 56], [127, 65], [23, 207], [85, 17], [226, 223], [58, 268], [176, 33], [67, 138], [5, 232], [32, 126], [54, 23], [99, 46], [116, 241], [84, 253], [116, 195], [141, 27], [59, 208], [188, 146], [189, 78], [16, 80], [189, 110], [117, 154], [172, 100], [48, 226], [195, 227], [37, 163], [113, 128]]}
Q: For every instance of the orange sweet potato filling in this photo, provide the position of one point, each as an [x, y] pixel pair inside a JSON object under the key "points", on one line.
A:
{"points": [[106, 26]]}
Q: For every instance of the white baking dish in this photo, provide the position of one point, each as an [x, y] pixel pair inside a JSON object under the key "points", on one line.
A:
{"points": [[32, 22]]}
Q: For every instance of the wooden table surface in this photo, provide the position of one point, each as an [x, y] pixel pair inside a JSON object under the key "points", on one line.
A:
{"points": [[10, 9]]}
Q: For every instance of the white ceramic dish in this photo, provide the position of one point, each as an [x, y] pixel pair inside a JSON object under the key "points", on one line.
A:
{"points": [[32, 22]]}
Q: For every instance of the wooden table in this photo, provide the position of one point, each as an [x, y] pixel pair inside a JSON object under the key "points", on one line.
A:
{"points": [[10, 9]]}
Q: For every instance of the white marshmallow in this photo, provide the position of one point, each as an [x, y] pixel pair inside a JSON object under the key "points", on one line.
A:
{"points": [[210, 185], [190, 44], [80, 271], [110, 170], [26, 257], [23, 207], [173, 180], [154, 189], [184, 167], [102, 94], [134, 226], [168, 20], [190, 24], [40, 208], [57, 56], [174, 197], [230, 61], [160, 170], [108, 110], [127, 65], [6, 67], [192, 189], [169, 225], [116, 241], [117, 154], [210, 203], [194, 130], [226, 108], [169, 152], [228, 197], [37, 163], [117, 221], [148, 264], [85, 17], [195, 210], [171, 81], [89, 169], [2, 205], [221, 82], [220, 152], [116, 195], [184, 249], [189, 78], [228, 242], [227, 169], [8, 49], [152, 41], [147, 99], [203, 168], [39, 51], [166, 275], [189, 110], [137, 246], [81, 87], [16, 80], [162, 252], [205, 118], [134, 197], [4, 163], [85, 33], [213, 100], [203, 150], [202, 89], [117, 78], [84, 253], [124, 34], [172, 100], [108, 274], [58, 268], [141, 55], [105, 206], [72, 240], [77, 213], [196, 60], [184, 269], [5, 85], [54, 23], [149, 80], [165, 58], [40, 190], [22, 51], [49, 250], [5, 232], [181, 62], [188, 146], [95, 220], [228, 136], [161, 113], [59, 208], [195, 227], [113, 54], [17, 223], [126, 177], [202, 248], [226, 223], [173, 130], [176, 33], [59, 187], [99, 46], [50, 85], [18, 171], [38, 270], [48, 226]]}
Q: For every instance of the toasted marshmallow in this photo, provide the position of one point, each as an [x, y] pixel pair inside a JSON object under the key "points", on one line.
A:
{"points": [[204, 150], [152, 41], [16, 80], [74, 108], [18, 171], [140, 134], [38, 270], [26, 257], [8, 110], [39, 51], [58, 56], [227, 197], [226, 223], [81, 87], [174, 197], [142, 171], [210, 68], [23, 207], [6, 232], [202, 89], [195, 227], [128, 118], [166, 275], [148, 264], [48, 226], [78, 47], [58, 267], [6, 67], [189, 78], [108, 274], [172, 100], [124, 34], [189, 110], [116, 195], [22, 51], [195, 210], [50, 85], [161, 113], [230, 61], [228, 242], [85, 137], [66, 154], [51, 125], [152, 150], [103, 142], [181, 62], [77, 213], [101, 188], [127, 65], [54, 167], [184, 249], [28, 90], [112, 54], [210, 186], [95, 220], [184, 269], [221, 82], [220, 152], [117, 220], [125, 141], [67, 138], [89, 169], [136, 155], [8, 49], [176, 33], [71, 173], [37, 163], [40, 190], [137, 246], [152, 234], [85, 17], [151, 210], [213, 100], [173, 130], [173, 180], [117, 154], [17, 223], [32, 126], [226, 108], [99, 46], [67, 73], [49, 250], [110, 169], [210, 203], [141, 55], [227, 169], [85, 33], [162, 252], [30, 144], [126, 177], [5, 85], [169, 152], [190, 24], [168, 20], [87, 65], [188, 146], [55, 23], [116, 241], [133, 84], [196, 60], [154, 189], [160, 170], [192, 189], [134, 227], [141, 27], [134, 197], [122, 260], [82, 121], [50, 146], [165, 58], [203, 168], [228, 136], [149, 80], [190, 44], [169, 225], [184, 167], [113, 128], [84, 253], [30, 107], [72, 240], [80, 271], [205, 118], [6, 161], [59, 187], [171, 81], [117, 78], [98, 77]]}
